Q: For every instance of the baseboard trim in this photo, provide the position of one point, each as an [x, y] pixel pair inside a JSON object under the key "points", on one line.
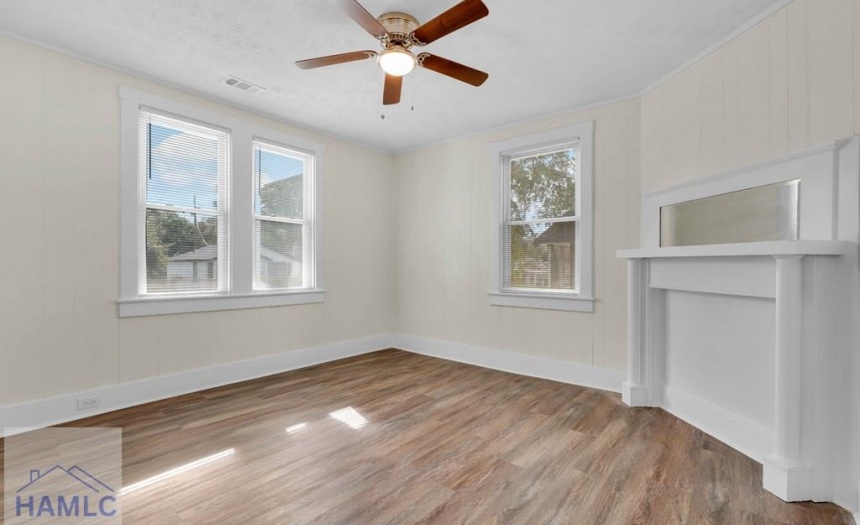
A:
{"points": [[62, 409], [542, 367], [743, 435]]}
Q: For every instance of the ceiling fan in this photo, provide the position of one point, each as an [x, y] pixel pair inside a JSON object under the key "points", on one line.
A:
{"points": [[398, 33]]}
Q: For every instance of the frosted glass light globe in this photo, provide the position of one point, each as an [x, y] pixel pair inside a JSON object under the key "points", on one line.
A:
{"points": [[396, 61]]}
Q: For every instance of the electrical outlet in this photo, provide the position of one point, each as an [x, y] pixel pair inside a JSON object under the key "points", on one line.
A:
{"points": [[86, 403]]}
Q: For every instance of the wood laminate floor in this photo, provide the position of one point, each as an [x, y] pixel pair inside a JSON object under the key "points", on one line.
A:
{"points": [[422, 440]]}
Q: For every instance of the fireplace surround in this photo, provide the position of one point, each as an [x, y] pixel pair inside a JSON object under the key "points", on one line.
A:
{"points": [[755, 342]]}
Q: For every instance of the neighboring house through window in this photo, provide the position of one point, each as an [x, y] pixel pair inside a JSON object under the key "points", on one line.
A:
{"points": [[217, 213], [542, 220]]}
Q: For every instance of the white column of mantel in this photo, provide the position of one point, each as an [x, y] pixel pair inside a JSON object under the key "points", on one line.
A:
{"points": [[785, 475], [788, 356], [634, 391]]}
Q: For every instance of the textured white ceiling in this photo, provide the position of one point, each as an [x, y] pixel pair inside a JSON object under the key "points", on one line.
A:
{"points": [[542, 57]]}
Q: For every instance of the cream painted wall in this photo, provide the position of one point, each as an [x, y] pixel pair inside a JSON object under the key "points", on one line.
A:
{"points": [[442, 250], [59, 236], [788, 84]]}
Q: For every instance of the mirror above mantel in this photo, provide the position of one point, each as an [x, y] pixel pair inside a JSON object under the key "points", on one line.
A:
{"points": [[761, 213]]}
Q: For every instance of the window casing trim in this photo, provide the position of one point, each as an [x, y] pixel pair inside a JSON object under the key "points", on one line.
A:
{"points": [[583, 298], [241, 293]]}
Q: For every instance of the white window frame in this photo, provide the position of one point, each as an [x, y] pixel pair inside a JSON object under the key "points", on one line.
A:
{"points": [[239, 292], [582, 300], [307, 223]]}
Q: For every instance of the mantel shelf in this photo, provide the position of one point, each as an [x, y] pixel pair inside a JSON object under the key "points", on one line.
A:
{"points": [[746, 249]]}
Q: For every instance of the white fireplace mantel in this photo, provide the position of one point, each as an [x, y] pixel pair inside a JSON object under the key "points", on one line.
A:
{"points": [[757, 343], [767, 270]]}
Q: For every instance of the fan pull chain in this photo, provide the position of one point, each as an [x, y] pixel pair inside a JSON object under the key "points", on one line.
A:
{"points": [[412, 94]]}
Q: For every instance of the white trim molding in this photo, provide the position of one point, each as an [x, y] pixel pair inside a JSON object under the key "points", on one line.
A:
{"points": [[61, 409], [745, 436], [214, 303], [238, 291], [522, 364], [738, 31], [572, 303], [582, 299]]}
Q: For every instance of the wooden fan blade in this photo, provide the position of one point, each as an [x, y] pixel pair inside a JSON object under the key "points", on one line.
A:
{"points": [[393, 86], [366, 20], [452, 69], [451, 20], [331, 60]]}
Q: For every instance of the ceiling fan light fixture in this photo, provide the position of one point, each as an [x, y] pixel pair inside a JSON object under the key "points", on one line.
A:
{"points": [[397, 33], [396, 61]]}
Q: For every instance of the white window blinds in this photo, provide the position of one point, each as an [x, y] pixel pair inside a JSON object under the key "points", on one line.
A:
{"points": [[184, 169], [283, 218], [540, 225]]}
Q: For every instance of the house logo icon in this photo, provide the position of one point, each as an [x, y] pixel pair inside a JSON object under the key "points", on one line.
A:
{"points": [[60, 492]]}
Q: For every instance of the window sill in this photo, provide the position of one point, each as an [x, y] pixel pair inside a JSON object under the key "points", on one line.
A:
{"points": [[568, 303], [210, 303]]}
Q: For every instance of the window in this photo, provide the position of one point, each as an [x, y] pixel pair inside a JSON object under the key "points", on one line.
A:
{"points": [[183, 174], [542, 249], [217, 213], [282, 213]]}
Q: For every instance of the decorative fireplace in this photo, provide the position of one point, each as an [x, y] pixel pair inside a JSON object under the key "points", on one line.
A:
{"points": [[741, 312]]}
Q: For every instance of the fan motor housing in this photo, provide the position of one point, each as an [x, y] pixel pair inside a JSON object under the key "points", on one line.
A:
{"points": [[399, 25]]}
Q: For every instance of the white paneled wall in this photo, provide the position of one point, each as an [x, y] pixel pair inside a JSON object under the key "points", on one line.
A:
{"points": [[59, 236], [442, 251], [787, 84]]}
